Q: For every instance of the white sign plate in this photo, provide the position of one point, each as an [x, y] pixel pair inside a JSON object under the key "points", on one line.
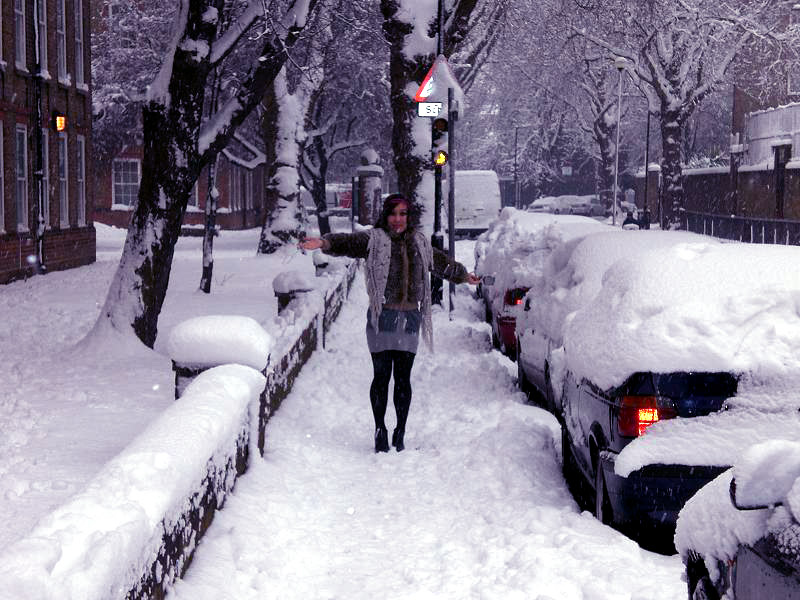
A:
{"points": [[429, 109]]}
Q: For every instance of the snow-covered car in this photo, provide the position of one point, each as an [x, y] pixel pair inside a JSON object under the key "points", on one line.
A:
{"points": [[573, 205], [509, 256], [739, 536], [637, 328], [545, 204], [599, 207]]}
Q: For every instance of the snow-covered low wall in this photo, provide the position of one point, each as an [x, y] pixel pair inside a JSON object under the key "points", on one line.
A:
{"points": [[134, 528]]}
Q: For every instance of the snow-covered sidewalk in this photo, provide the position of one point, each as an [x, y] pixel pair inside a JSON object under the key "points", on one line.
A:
{"points": [[476, 506]]}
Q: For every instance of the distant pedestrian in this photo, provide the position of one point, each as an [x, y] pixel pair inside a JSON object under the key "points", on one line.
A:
{"points": [[399, 259], [630, 221]]}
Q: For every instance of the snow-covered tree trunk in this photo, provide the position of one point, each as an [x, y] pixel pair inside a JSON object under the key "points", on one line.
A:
{"points": [[411, 33], [671, 170], [210, 229], [283, 221]]}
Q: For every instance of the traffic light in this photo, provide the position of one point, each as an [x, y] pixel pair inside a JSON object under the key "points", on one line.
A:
{"points": [[439, 141]]}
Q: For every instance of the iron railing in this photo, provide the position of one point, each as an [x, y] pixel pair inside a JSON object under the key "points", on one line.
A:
{"points": [[745, 229]]}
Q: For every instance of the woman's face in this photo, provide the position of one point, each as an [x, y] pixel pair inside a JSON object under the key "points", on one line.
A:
{"points": [[398, 218]]}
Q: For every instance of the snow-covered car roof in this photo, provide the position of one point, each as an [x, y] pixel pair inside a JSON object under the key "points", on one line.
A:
{"points": [[516, 244], [674, 302]]}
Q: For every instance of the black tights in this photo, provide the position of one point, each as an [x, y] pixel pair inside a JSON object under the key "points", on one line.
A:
{"points": [[382, 363]]}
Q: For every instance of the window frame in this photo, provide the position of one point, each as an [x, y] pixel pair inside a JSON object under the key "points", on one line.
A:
{"points": [[80, 178], [20, 36], [63, 179], [42, 24], [61, 40], [80, 67], [21, 194], [114, 199], [45, 190]]}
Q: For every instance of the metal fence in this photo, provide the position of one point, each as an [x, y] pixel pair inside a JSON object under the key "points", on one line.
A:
{"points": [[745, 229]]}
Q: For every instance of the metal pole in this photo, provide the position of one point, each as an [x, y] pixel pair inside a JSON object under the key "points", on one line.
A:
{"points": [[646, 216], [516, 185], [440, 37], [451, 195], [616, 159], [437, 240]]}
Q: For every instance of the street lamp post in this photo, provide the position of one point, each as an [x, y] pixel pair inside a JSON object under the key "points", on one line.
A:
{"points": [[516, 181], [620, 63]]}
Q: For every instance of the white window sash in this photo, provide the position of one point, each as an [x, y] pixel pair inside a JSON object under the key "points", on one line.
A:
{"points": [[81, 180], [63, 179], [120, 166], [61, 38], [20, 53], [45, 191], [21, 170], [42, 22], [79, 68]]}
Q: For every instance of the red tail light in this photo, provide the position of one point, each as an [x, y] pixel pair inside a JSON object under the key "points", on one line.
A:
{"points": [[515, 296], [637, 413]]}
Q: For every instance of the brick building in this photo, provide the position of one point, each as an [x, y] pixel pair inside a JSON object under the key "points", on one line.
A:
{"points": [[239, 181], [45, 202]]}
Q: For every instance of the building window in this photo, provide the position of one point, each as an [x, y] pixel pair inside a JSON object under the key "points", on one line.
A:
{"points": [[21, 191], [194, 196], [63, 181], [126, 175], [45, 189], [61, 39], [42, 23], [80, 179], [19, 33], [79, 78], [2, 183], [236, 188]]}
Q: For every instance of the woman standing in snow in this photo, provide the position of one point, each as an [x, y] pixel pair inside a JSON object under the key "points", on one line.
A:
{"points": [[398, 259]]}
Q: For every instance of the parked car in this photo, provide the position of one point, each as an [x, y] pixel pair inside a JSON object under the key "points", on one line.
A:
{"points": [[739, 536], [544, 204], [636, 328], [599, 207], [573, 205], [508, 257]]}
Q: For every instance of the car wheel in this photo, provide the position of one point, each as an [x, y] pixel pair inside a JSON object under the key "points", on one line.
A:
{"points": [[602, 505], [556, 211], [572, 475], [700, 585]]}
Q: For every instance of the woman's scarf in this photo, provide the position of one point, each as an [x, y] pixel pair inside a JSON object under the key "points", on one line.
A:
{"points": [[379, 254]]}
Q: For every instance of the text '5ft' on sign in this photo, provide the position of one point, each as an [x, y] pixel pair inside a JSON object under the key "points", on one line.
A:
{"points": [[429, 109]]}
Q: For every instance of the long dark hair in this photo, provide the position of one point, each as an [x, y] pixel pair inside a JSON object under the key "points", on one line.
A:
{"points": [[392, 200]]}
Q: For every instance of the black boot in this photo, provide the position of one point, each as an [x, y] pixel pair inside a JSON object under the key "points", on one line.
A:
{"points": [[397, 439], [381, 440]]}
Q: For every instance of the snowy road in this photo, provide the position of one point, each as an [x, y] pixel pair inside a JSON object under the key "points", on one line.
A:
{"points": [[476, 506]]}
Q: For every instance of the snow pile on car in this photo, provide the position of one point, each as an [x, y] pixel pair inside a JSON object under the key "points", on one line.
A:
{"points": [[685, 306], [516, 244]]}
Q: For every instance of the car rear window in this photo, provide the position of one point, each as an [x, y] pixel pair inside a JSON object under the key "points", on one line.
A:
{"points": [[683, 385]]}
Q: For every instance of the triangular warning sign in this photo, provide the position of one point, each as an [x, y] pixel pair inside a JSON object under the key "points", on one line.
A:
{"points": [[439, 74]]}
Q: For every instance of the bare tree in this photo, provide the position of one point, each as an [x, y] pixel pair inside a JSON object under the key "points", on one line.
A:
{"points": [[178, 143]]}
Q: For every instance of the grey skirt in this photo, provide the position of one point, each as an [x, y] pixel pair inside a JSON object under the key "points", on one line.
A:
{"points": [[397, 330]]}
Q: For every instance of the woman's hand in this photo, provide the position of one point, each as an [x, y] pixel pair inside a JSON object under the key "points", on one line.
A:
{"points": [[473, 279], [310, 243]]}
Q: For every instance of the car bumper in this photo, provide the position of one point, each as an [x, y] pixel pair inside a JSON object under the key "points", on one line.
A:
{"points": [[652, 496]]}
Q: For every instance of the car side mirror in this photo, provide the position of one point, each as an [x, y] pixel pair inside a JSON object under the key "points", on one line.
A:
{"points": [[765, 474], [487, 280]]}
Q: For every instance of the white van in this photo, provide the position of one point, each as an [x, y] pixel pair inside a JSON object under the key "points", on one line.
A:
{"points": [[477, 202]]}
